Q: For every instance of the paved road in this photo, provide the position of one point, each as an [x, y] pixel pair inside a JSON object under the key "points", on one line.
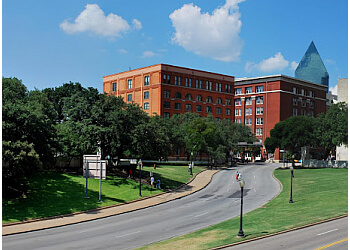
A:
{"points": [[219, 201], [330, 235]]}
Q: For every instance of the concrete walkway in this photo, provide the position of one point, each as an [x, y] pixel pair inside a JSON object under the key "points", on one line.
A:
{"points": [[200, 181]]}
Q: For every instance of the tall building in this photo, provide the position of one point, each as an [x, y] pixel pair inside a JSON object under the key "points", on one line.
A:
{"points": [[261, 102], [311, 67], [342, 151], [167, 90]]}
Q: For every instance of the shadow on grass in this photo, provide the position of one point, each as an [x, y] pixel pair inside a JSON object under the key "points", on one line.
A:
{"points": [[52, 194]]}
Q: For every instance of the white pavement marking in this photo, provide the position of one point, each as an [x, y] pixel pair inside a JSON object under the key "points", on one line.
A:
{"points": [[120, 236], [328, 232], [201, 214]]}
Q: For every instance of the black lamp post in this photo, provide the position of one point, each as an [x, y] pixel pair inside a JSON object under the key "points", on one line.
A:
{"points": [[291, 185], [140, 164], [240, 232]]}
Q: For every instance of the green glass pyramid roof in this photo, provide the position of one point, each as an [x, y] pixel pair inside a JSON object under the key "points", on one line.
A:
{"points": [[311, 67]]}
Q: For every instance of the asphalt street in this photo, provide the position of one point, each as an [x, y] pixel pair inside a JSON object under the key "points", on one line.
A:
{"points": [[218, 202], [331, 235]]}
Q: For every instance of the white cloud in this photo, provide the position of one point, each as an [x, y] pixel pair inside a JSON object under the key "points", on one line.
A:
{"points": [[137, 24], [93, 19], [334, 90], [276, 62], [213, 35], [122, 51], [148, 53], [294, 65]]}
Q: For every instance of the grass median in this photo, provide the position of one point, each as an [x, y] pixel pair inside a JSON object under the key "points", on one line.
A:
{"points": [[318, 194], [52, 194]]}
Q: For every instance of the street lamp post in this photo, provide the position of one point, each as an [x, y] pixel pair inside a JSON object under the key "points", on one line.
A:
{"points": [[240, 232], [291, 184], [140, 164]]}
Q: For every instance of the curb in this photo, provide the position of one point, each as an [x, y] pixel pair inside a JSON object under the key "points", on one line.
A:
{"points": [[107, 207]]}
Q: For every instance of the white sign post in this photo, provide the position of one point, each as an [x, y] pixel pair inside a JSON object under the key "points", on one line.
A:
{"points": [[94, 167]]}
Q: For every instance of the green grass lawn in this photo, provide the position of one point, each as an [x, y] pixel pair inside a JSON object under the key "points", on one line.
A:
{"points": [[318, 194], [53, 194]]}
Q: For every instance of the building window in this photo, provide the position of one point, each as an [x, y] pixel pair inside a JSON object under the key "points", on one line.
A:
{"points": [[218, 111], [303, 92], [209, 109], [228, 102], [167, 105], [114, 87], [248, 101], [295, 90], [238, 121], [199, 98], [312, 104], [190, 84], [164, 78], [259, 100], [146, 105], [303, 103], [146, 80], [238, 102], [311, 113], [259, 89], [166, 115], [238, 112], [188, 97], [186, 81], [259, 121], [218, 100], [200, 84], [248, 121], [259, 111], [129, 97], [179, 81], [175, 80], [248, 90], [197, 83], [312, 93], [220, 87], [217, 86], [178, 95], [146, 95], [295, 112], [130, 84], [166, 94], [303, 112], [210, 86], [248, 111], [198, 108], [295, 101], [177, 105], [227, 111], [209, 99], [188, 107], [168, 79], [207, 85]]}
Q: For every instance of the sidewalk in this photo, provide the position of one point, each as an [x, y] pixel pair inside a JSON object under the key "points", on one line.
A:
{"points": [[200, 181]]}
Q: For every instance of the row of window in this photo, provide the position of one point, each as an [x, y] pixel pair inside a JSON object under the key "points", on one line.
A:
{"points": [[198, 84], [303, 103], [130, 84], [249, 90], [188, 107], [249, 111], [248, 122], [302, 112], [303, 92], [199, 98], [249, 100]]}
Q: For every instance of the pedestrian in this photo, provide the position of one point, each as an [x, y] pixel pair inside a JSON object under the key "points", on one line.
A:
{"points": [[190, 168], [154, 166], [152, 181], [237, 174], [158, 184], [130, 174]]}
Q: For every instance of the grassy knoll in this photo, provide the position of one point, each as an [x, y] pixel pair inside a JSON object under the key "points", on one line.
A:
{"points": [[317, 193], [53, 194]]}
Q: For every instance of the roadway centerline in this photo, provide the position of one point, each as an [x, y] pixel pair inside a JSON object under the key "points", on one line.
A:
{"points": [[201, 214], [332, 244], [120, 236]]}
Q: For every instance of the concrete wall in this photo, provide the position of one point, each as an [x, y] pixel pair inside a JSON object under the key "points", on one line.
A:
{"points": [[325, 164]]}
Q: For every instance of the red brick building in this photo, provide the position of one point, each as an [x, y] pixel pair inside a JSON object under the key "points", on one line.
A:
{"points": [[167, 90], [258, 102], [261, 102]]}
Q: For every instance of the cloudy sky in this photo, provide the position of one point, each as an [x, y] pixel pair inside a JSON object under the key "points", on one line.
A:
{"points": [[48, 43]]}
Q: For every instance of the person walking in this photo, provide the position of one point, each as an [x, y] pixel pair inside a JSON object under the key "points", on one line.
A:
{"points": [[190, 168]]}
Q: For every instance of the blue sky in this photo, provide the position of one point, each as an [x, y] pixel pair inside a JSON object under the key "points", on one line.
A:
{"points": [[48, 43]]}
